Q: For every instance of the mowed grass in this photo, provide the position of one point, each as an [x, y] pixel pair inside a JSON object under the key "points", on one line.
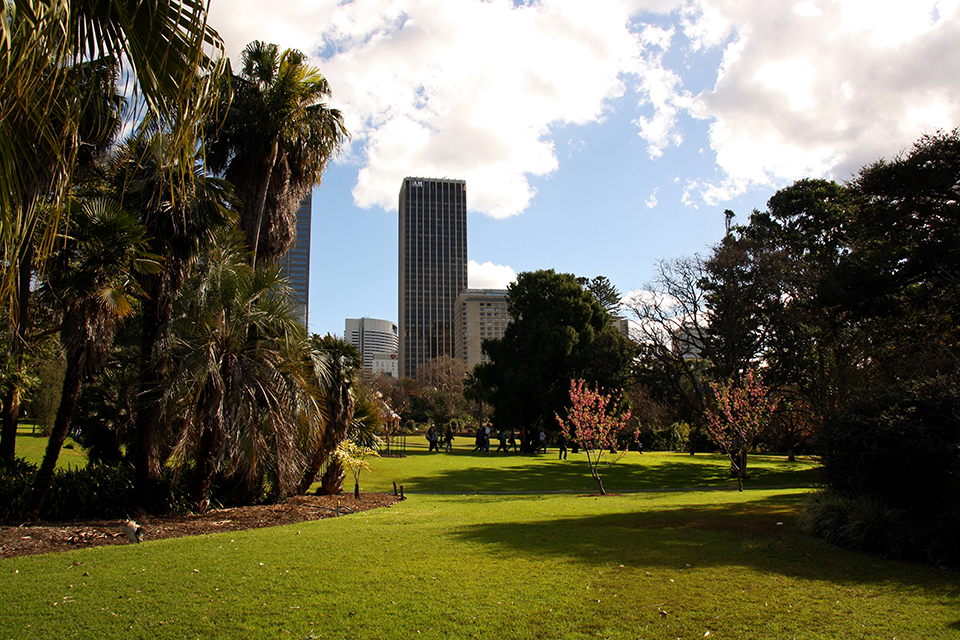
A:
{"points": [[32, 447], [466, 471], [711, 563], [545, 566]]}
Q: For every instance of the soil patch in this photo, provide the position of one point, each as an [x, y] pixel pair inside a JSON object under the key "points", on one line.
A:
{"points": [[47, 537]]}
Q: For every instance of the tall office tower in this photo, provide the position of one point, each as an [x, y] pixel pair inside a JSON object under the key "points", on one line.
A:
{"points": [[372, 337], [433, 267], [479, 314], [296, 261]]}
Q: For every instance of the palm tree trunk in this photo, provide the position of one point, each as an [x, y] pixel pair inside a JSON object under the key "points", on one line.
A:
{"points": [[310, 474], [11, 401], [198, 490], [68, 401], [156, 313], [332, 481], [262, 204]]}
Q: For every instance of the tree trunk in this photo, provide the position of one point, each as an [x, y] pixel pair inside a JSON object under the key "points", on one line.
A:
{"points": [[310, 473], [791, 457], [11, 401], [332, 481], [356, 490], [198, 490], [262, 204], [156, 313], [68, 401]]}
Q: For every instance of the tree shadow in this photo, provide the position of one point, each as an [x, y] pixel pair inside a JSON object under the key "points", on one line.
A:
{"points": [[540, 473], [761, 533]]}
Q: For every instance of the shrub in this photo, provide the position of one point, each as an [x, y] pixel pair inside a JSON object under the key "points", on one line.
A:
{"points": [[102, 491], [900, 444], [866, 523], [16, 478]]}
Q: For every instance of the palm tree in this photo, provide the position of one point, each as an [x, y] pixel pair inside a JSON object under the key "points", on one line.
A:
{"points": [[181, 226], [93, 116], [91, 282], [336, 383], [277, 138], [175, 61], [239, 390]]}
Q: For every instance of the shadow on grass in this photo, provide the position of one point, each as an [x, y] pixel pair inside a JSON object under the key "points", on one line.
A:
{"points": [[545, 473], [760, 533]]}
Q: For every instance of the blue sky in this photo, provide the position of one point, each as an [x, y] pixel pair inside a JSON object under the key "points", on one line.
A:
{"points": [[595, 138]]}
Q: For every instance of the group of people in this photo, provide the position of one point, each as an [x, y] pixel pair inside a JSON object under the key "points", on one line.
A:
{"points": [[434, 437], [527, 441]]}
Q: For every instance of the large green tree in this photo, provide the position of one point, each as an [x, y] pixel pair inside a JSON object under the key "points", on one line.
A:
{"points": [[182, 220], [560, 332], [92, 283], [241, 389], [336, 379], [276, 141], [174, 59]]}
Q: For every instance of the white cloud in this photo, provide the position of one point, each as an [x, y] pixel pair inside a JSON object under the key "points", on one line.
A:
{"points": [[820, 89], [489, 275], [471, 90], [651, 202], [475, 89]]}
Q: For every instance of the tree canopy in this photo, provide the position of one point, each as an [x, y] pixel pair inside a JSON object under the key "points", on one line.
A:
{"points": [[559, 332]]}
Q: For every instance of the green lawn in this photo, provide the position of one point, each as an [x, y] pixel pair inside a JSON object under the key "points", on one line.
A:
{"points": [[465, 471], [716, 562], [31, 448]]}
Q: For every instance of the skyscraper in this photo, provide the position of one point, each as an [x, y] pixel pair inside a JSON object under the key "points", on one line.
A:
{"points": [[371, 337], [479, 314], [296, 261], [433, 267]]}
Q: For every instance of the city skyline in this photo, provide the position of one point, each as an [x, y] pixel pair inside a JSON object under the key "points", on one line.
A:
{"points": [[597, 138]]}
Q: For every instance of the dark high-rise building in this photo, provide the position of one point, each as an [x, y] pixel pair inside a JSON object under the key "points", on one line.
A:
{"points": [[296, 261], [433, 267]]}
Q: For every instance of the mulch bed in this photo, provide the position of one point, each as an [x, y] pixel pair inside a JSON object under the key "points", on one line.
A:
{"points": [[47, 537]]}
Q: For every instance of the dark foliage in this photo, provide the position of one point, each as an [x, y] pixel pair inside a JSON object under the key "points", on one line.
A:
{"points": [[900, 443], [94, 491]]}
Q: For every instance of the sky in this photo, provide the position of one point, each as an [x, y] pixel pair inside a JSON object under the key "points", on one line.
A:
{"points": [[595, 138]]}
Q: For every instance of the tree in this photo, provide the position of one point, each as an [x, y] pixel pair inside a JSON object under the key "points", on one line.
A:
{"points": [[275, 142], [183, 220], [92, 282], [596, 423], [336, 383], [241, 389], [353, 456], [606, 294], [174, 59], [899, 281], [559, 332], [672, 320], [91, 114], [442, 382], [740, 411]]}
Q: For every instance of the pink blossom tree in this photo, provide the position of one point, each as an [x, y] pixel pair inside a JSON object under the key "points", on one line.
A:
{"points": [[737, 416], [594, 421]]}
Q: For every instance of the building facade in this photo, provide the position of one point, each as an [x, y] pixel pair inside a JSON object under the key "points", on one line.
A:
{"points": [[433, 267], [480, 314], [386, 364], [296, 261], [372, 337]]}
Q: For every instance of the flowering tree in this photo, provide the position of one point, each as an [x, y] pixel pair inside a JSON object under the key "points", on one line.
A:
{"points": [[594, 421], [739, 413]]}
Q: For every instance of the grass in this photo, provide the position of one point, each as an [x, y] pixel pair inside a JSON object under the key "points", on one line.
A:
{"points": [[32, 447], [464, 471], [496, 567]]}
